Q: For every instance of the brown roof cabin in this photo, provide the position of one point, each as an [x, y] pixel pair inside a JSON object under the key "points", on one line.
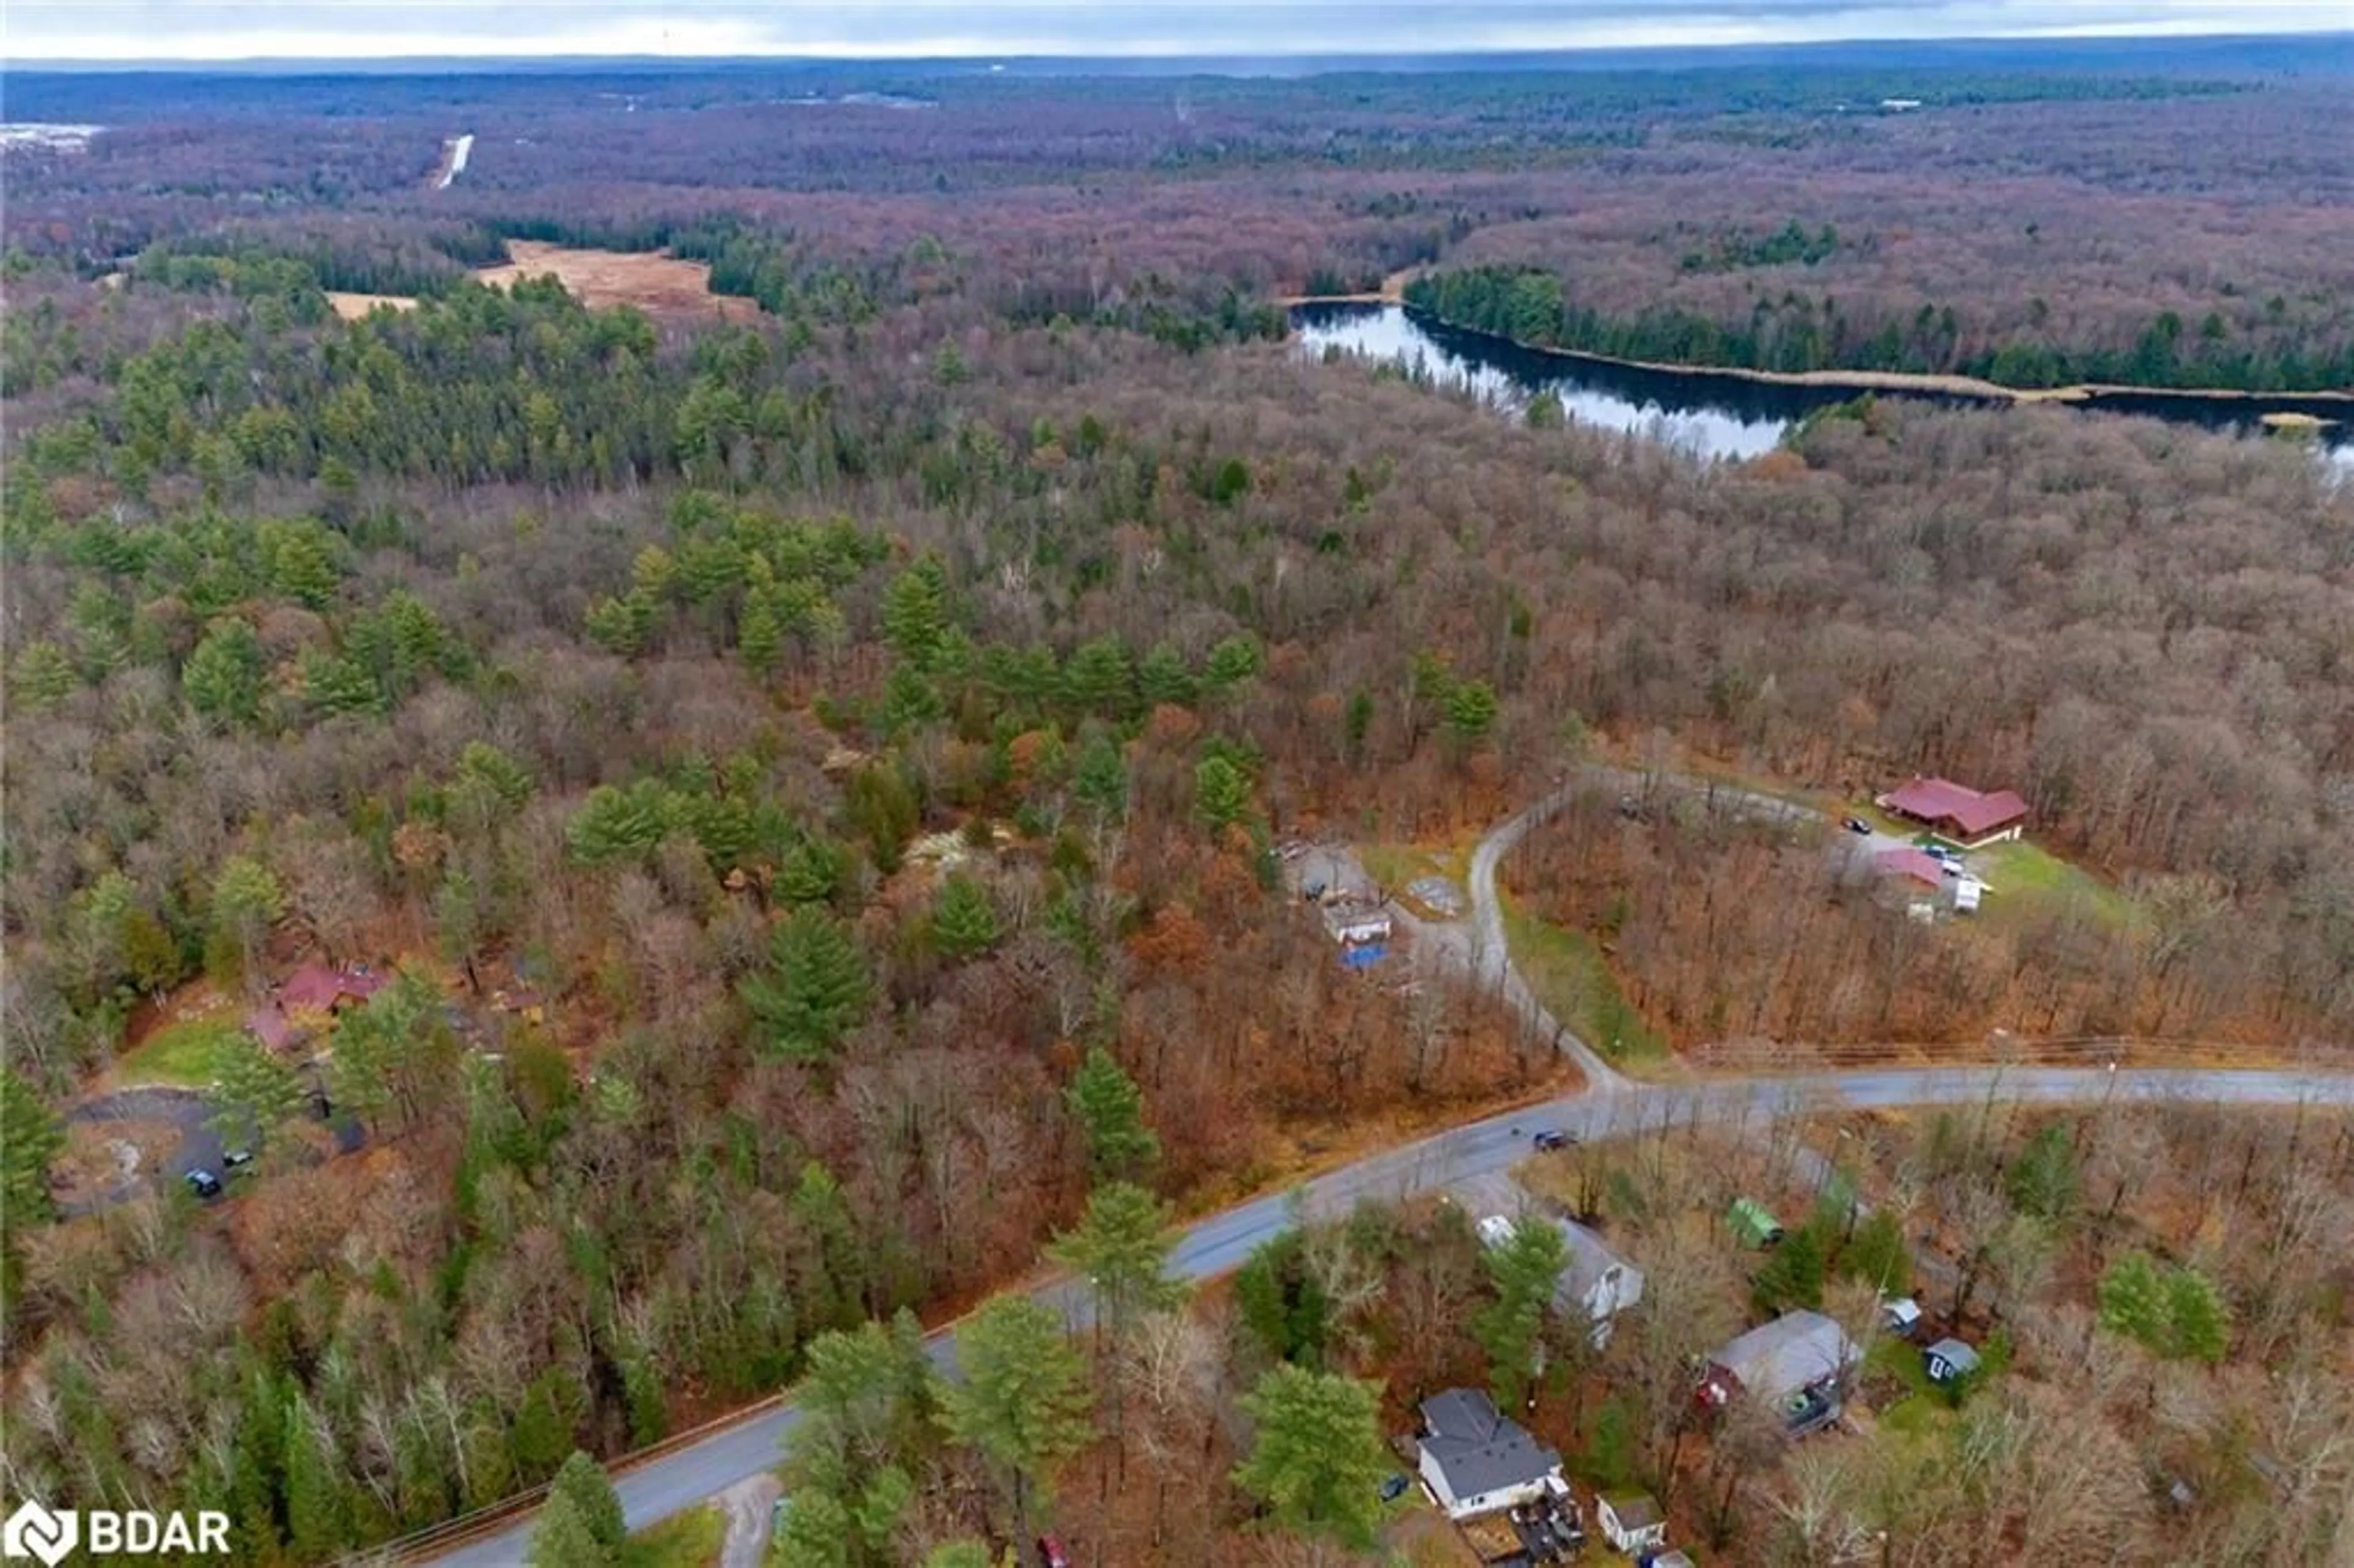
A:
{"points": [[1957, 813]]}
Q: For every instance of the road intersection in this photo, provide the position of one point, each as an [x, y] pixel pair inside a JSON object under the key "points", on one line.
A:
{"points": [[690, 1470]]}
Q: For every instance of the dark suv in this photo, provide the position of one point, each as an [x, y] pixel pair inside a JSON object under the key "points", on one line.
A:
{"points": [[1554, 1138], [203, 1183]]}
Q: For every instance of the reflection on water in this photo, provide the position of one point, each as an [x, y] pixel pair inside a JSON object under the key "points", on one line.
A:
{"points": [[1710, 416], [1388, 333]]}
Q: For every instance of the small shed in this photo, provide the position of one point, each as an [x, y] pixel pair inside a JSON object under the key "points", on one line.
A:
{"points": [[1754, 1223], [1949, 1361], [1900, 1315], [1631, 1522]]}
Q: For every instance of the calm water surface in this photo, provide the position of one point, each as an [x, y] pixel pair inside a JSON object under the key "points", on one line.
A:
{"points": [[1706, 415]]}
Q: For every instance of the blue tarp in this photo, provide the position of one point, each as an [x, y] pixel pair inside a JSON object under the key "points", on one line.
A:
{"points": [[1363, 956]]}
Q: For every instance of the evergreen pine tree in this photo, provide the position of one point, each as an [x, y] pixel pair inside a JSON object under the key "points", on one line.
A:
{"points": [[816, 986], [963, 924], [583, 1481], [1110, 1112], [561, 1537]]}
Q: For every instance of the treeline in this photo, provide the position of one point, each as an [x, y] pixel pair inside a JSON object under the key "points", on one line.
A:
{"points": [[1796, 333]]}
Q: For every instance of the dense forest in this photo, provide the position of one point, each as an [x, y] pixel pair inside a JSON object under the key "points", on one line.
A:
{"points": [[818, 780], [2266, 349]]}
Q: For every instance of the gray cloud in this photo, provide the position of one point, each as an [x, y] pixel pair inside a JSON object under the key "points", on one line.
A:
{"points": [[205, 29]]}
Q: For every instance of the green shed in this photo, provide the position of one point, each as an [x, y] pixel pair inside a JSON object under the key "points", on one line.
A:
{"points": [[1753, 1223]]}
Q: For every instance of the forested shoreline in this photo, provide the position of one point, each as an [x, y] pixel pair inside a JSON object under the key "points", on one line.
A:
{"points": [[819, 780], [1796, 337]]}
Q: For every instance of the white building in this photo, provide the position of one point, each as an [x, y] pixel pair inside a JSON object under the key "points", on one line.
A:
{"points": [[1476, 1461], [1596, 1284]]}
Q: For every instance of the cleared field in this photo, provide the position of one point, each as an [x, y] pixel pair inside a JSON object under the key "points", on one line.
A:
{"points": [[183, 1049], [654, 282], [352, 307]]}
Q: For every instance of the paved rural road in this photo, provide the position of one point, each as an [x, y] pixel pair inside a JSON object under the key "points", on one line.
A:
{"points": [[665, 1485], [1613, 1106]]}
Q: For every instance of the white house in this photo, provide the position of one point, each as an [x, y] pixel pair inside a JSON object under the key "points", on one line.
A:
{"points": [[1632, 1523], [1599, 1283], [1476, 1461], [1595, 1283]]}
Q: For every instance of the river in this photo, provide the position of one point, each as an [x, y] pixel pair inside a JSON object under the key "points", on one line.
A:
{"points": [[1710, 415]]}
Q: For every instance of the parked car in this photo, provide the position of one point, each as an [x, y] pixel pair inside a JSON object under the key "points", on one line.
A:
{"points": [[1855, 825], [1554, 1138], [1051, 1554], [1951, 867], [203, 1183], [1395, 1488], [237, 1159]]}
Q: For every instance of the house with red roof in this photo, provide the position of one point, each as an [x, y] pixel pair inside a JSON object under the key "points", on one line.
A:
{"points": [[1918, 864], [1957, 813], [309, 995], [316, 987]]}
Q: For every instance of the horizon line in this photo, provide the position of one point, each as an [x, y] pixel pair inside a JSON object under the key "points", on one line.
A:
{"points": [[459, 61]]}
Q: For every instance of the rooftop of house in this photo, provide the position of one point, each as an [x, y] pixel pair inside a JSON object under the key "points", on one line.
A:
{"points": [[1794, 1352], [1938, 800], [1954, 1354], [1503, 1203], [1590, 1257], [317, 988], [1918, 864], [1479, 1449], [1634, 1511]]}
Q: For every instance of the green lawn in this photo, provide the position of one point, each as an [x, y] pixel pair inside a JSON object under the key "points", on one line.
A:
{"points": [[1566, 971], [179, 1052], [2020, 874], [1394, 865], [688, 1540]]}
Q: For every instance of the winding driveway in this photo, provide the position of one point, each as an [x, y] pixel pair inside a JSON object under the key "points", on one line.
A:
{"points": [[183, 1110], [696, 1466]]}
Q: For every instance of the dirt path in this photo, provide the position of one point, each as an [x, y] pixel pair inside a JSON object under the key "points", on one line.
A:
{"points": [[748, 1504]]}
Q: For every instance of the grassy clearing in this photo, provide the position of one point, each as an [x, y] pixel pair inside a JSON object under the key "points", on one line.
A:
{"points": [[688, 1540], [1396, 865], [1569, 975], [182, 1052], [2021, 874]]}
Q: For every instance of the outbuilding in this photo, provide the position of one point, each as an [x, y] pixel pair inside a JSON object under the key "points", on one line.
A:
{"points": [[1949, 1361], [1631, 1522]]}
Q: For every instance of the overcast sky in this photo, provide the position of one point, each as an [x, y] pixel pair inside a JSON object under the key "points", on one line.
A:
{"points": [[349, 29]]}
